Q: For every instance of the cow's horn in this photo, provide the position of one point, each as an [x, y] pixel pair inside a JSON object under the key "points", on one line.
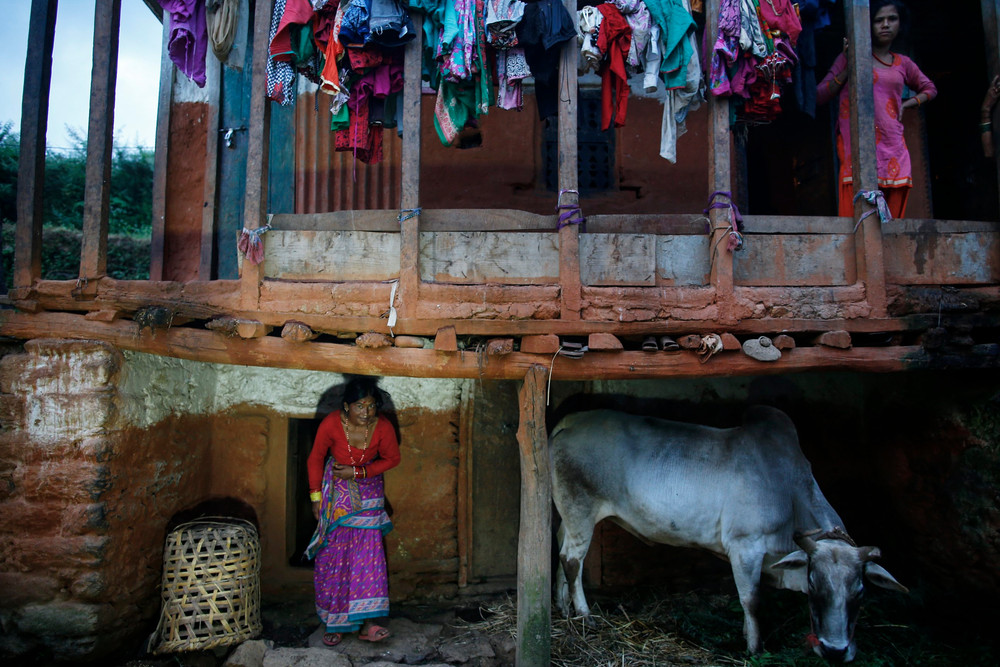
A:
{"points": [[869, 553], [805, 543]]}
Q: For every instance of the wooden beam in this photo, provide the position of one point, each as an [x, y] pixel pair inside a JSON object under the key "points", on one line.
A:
{"points": [[409, 229], [100, 136], [720, 180], [255, 203], [534, 541], [275, 352], [161, 155], [210, 203], [871, 266], [991, 34], [569, 236], [34, 120]]}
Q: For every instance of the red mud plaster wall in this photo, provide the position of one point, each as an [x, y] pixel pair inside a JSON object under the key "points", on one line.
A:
{"points": [[85, 499], [185, 191]]}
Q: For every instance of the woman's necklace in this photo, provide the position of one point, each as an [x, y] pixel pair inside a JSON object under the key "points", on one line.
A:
{"points": [[892, 59], [347, 432]]}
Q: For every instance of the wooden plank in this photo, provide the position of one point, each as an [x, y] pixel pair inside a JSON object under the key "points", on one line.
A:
{"points": [[534, 544], [330, 256], [720, 180], [478, 257], [409, 229], [255, 205], [281, 160], [791, 224], [276, 352], [161, 153], [991, 34], [34, 120], [569, 236], [213, 81], [942, 259], [100, 135], [617, 259], [683, 260], [796, 260], [871, 267]]}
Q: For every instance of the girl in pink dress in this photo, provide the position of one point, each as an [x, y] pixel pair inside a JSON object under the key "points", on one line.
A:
{"points": [[890, 72]]}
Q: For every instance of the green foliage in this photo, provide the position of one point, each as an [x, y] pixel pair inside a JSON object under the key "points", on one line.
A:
{"points": [[130, 204]]}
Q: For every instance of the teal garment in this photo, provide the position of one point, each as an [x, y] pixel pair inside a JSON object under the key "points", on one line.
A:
{"points": [[433, 13], [675, 23]]}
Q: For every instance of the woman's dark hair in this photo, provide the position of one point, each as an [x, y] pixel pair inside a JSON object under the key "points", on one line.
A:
{"points": [[359, 387], [904, 13]]}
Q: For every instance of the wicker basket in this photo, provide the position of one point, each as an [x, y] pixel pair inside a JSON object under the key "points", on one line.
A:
{"points": [[211, 586]]}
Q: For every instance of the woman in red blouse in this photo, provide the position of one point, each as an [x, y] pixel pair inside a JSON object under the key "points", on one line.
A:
{"points": [[353, 447]]}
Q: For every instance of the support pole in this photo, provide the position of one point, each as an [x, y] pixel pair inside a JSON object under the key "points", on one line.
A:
{"points": [[991, 37], [409, 229], [868, 243], [534, 543], [569, 236], [34, 119]]}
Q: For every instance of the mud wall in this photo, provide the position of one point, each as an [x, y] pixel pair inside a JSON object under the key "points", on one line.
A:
{"points": [[100, 449]]}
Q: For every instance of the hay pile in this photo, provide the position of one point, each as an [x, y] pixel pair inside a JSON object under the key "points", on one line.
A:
{"points": [[636, 639]]}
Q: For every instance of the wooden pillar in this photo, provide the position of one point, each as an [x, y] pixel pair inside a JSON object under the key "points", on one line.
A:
{"points": [[255, 203], [160, 156], [34, 120], [569, 236], [409, 229], [720, 180], [534, 543], [991, 37], [100, 134], [213, 84], [868, 242]]}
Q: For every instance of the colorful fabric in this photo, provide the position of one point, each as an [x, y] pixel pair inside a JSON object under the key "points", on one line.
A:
{"points": [[892, 156], [188, 40], [350, 576], [614, 40]]}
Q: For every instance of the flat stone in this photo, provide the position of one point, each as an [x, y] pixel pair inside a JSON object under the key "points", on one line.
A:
{"points": [[68, 619], [249, 654], [465, 648], [409, 643], [305, 657]]}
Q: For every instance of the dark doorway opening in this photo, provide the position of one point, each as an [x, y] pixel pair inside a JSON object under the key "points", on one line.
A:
{"points": [[300, 521]]}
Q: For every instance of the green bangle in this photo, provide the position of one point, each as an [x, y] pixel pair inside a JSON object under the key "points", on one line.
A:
{"points": [[315, 496], [985, 127]]}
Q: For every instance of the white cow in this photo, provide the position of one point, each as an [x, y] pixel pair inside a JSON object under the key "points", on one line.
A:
{"points": [[745, 493]]}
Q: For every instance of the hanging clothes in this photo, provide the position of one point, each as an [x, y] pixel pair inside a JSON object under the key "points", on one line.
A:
{"points": [[614, 40], [187, 43], [545, 26], [682, 100]]}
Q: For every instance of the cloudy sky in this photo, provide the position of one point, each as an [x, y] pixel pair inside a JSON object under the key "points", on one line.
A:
{"points": [[138, 70]]}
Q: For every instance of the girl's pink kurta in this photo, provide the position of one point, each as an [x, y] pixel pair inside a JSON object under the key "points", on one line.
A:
{"points": [[893, 158]]}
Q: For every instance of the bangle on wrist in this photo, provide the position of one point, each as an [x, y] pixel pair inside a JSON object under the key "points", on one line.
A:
{"points": [[985, 127], [315, 496]]}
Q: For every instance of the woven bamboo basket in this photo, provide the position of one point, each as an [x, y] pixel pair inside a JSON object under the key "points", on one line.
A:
{"points": [[211, 586]]}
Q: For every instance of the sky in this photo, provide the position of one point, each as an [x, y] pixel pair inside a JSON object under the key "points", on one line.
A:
{"points": [[136, 94]]}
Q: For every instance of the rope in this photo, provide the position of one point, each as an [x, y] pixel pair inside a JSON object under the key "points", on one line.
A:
{"points": [[735, 238], [250, 244], [407, 213], [222, 18], [876, 199], [570, 214]]}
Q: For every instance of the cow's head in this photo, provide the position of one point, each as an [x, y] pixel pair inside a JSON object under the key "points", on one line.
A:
{"points": [[836, 569]]}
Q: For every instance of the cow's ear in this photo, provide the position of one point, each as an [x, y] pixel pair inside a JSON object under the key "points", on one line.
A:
{"points": [[793, 561], [880, 576]]}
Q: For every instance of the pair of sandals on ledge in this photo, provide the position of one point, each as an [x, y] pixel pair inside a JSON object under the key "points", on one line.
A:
{"points": [[374, 633], [665, 343]]}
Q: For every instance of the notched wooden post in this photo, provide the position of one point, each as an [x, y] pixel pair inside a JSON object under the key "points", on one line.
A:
{"points": [[534, 550], [409, 224]]}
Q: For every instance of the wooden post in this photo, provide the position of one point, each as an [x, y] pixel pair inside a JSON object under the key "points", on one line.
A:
{"points": [[991, 35], [34, 119], [534, 542], [160, 156], [210, 203], [100, 134], [570, 296], [864, 165], [720, 180], [255, 203], [409, 229]]}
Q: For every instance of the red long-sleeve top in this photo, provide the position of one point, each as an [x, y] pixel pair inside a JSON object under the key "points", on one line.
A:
{"points": [[381, 455]]}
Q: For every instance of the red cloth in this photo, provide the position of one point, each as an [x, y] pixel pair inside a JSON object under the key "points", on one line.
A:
{"points": [[613, 40], [382, 453], [297, 12], [780, 15], [894, 197]]}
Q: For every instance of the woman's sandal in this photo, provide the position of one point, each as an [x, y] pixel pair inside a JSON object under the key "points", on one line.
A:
{"points": [[332, 638], [376, 633]]}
